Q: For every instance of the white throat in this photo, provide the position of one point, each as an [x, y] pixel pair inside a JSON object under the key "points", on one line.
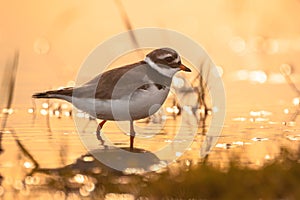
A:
{"points": [[169, 72]]}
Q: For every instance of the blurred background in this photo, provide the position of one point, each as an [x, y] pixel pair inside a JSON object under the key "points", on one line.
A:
{"points": [[254, 44], [248, 39]]}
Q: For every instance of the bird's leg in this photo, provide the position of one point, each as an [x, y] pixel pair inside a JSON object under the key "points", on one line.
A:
{"points": [[100, 125], [132, 134]]}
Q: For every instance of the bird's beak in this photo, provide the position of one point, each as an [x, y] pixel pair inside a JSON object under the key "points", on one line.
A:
{"points": [[184, 68]]}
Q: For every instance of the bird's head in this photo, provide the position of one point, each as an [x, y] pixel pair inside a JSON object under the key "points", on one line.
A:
{"points": [[166, 61]]}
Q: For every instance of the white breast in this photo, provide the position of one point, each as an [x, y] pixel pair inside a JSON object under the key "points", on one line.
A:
{"points": [[139, 105]]}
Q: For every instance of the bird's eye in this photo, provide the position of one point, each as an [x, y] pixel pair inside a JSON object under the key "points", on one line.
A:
{"points": [[169, 59]]}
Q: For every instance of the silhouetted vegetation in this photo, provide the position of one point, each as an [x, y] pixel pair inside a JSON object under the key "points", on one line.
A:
{"points": [[7, 90]]}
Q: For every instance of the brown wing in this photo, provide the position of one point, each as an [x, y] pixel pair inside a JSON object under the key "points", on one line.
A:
{"points": [[115, 83]]}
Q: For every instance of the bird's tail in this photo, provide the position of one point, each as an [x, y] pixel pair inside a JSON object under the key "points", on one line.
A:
{"points": [[60, 94], [40, 95]]}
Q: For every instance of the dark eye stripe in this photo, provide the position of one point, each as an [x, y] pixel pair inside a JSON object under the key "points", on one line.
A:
{"points": [[169, 59]]}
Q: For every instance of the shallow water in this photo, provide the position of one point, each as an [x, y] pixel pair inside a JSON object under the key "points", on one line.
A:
{"points": [[255, 137]]}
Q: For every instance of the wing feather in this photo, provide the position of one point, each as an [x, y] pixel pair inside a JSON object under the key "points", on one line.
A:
{"points": [[115, 83]]}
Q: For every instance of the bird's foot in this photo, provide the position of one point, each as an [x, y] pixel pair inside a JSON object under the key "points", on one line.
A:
{"points": [[98, 134], [131, 149]]}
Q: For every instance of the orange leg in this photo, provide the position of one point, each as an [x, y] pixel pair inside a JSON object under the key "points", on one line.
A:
{"points": [[100, 125], [132, 135]]}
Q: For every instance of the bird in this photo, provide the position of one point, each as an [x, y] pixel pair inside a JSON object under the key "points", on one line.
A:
{"points": [[128, 93]]}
